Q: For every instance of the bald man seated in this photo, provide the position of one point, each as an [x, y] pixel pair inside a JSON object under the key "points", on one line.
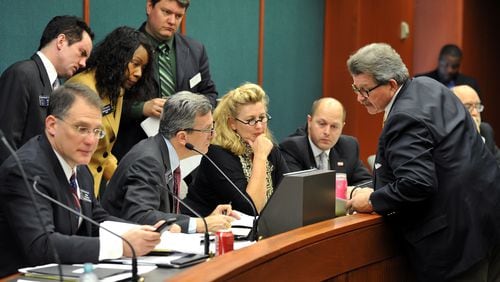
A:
{"points": [[324, 135], [472, 103]]}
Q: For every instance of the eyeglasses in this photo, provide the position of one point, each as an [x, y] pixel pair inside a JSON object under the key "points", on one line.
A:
{"points": [[253, 122], [208, 131], [364, 92], [479, 107], [85, 131]]}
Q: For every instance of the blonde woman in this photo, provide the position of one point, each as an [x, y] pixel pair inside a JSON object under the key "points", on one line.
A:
{"points": [[244, 150]]}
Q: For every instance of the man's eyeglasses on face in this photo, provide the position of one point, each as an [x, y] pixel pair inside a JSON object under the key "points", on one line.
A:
{"points": [[253, 122], [365, 92], [479, 107], [207, 131], [83, 131]]}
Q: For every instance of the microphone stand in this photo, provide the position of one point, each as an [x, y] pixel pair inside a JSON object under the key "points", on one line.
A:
{"points": [[135, 277], [206, 242], [35, 204], [253, 235]]}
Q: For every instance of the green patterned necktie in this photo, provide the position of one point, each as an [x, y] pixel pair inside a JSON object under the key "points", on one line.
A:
{"points": [[167, 84]]}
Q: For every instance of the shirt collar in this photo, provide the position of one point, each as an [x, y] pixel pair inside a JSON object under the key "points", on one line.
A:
{"points": [[316, 151], [68, 171], [49, 67], [389, 106], [172, 155]]}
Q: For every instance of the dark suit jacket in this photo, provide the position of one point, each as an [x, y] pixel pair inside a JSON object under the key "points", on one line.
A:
{"points": [[22, 240], [133, 192], [489, 139], [299, 156], [460, 80], [436, 180], [21, 116], [191, 59]]}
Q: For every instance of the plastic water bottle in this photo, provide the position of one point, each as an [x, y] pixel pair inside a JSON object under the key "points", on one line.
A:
{"points": [[88, 274]]}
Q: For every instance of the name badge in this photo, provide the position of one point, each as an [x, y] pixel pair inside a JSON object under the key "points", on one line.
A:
{"points": [[194, 80], [107, 109], [43, 101], [169, 176], [85, 196]]}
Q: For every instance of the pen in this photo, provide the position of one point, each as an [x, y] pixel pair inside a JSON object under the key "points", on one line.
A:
{"points": [[224, 212]]}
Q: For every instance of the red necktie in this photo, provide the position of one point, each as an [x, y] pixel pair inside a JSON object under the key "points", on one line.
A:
{"points": [[177, 187], [74, 190]]}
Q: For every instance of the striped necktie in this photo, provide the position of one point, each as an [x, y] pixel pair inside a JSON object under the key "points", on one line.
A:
{"points": [[166, 75], [74, 190]]}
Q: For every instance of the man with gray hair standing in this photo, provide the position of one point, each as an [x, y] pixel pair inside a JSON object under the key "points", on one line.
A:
{"points": [[136, 191], [434, 178]]}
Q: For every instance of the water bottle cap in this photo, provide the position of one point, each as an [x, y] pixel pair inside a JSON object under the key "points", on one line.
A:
{"points": [[88, 267]]}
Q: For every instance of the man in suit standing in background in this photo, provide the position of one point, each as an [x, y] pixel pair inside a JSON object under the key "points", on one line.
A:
{"points": [[324, 140], [468, 96], [55, 162], [180, 63], [448, 70], [25, 87], [435, 180]]}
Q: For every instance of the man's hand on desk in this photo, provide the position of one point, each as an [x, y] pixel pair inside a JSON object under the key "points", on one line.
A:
{"points": [[144, 239], [220, 218], [360, 201]]}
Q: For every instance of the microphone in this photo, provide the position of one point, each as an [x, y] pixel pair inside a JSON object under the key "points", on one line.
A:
{"points": [[252, 236], [35, 203], [206, 241], [135, 277]]}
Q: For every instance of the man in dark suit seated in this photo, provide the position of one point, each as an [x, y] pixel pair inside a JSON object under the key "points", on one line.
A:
{"points": [[472, 103], [448, 70], [137, 190], [58, 158], [303, 150], [25, 87], [436, 183]]}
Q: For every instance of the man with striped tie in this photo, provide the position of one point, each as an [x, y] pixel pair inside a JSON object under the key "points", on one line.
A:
{"points": [[181, 63]]}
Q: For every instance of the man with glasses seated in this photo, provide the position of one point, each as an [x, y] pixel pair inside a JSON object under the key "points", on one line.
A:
{"points": [[56, 164], [322, 144], [243, 150], [137, 189], [472, 103]]}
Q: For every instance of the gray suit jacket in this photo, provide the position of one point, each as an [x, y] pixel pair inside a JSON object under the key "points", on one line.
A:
{"points": [[136, 192], [21, 115], [22, 240]]}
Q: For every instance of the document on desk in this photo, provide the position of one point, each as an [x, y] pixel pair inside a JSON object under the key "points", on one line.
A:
{"points": [[105, 271], [242, 226]]}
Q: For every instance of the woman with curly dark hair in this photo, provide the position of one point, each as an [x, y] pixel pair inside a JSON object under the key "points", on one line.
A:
{"points": [[119, 65]]}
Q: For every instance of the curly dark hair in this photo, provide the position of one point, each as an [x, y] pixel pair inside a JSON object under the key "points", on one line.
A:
{"points": [[110, 60]]}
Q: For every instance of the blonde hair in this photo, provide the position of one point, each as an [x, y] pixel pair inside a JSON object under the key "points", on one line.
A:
{"points": [[229, 107]]}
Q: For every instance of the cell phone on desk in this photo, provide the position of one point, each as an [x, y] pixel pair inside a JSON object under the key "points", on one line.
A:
{"points": [[188, 260], [167, 223]]}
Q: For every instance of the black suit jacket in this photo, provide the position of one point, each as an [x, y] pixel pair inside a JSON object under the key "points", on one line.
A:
{"points": [[133, 193], [436, 180], [22, 240], [489, 139], [21, 116], [459, 80], [191, 59], [299, 156]]}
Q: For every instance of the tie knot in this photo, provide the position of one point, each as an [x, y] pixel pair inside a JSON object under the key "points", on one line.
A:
{"points": [[72, 180], [163, 48]]}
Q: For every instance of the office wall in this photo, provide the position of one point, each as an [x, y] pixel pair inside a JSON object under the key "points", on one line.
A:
{"points": [[228, 28]]}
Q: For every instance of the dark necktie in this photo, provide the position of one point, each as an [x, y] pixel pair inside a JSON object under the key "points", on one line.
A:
{"points": [[177, 187], [166, 74], [74, 190]]}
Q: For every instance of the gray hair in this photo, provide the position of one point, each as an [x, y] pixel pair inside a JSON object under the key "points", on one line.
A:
{"points": [[380, 61], [65, 95], [180, 111]]}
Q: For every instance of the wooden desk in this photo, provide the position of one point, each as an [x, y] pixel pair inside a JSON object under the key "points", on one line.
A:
{"points": [[351, 248]]}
